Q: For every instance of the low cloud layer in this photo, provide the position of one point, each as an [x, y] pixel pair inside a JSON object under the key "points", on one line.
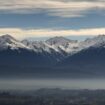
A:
{"points": [[21, 33], [61, 8]]}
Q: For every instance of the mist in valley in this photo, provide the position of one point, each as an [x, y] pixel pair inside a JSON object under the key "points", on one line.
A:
{"points": [[37, 83]]}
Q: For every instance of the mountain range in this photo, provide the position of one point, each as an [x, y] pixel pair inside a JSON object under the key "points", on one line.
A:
{"points": [[55, 56]]}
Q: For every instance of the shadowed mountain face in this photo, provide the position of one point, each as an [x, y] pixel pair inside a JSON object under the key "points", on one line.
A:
{"points": [[25, 58], [57, 56], [90, 60]]}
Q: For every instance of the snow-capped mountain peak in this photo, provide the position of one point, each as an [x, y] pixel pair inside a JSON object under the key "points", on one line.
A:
{"points": [[7, 38], [59, 41], [7, 41], [62, 44], [94, 42]]}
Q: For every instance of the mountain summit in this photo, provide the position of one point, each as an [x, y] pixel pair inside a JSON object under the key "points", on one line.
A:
{"points": [[94, 42], [7, 41], [59, 41]]}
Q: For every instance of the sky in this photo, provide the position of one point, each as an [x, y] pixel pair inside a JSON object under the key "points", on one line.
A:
{"points": [[49, 18]]}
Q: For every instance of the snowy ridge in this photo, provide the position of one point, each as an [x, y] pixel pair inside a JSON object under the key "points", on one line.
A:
{"points": [[64, 44], [7, 41], [56, 44], [38, 46], [98, 41], [68, 46]]}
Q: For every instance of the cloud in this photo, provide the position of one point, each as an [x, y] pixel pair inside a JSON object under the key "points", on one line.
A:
{"points": [[61, 8], [22, 33]]}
